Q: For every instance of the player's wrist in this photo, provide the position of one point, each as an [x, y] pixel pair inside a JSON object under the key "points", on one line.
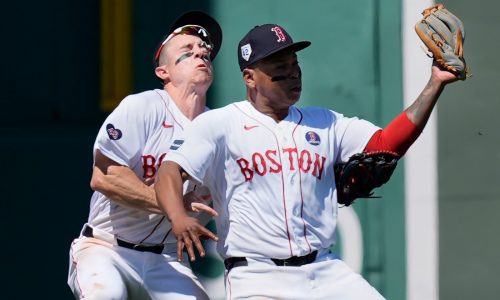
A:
{"points": [[177, 215]]}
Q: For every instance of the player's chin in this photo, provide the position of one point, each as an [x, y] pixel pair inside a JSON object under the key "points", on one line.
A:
{"points": [[294, 95], [203, 77]]}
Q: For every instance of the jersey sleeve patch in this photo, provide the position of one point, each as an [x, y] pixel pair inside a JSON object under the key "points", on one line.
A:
{"points": [[113, 133], [176, 144]]}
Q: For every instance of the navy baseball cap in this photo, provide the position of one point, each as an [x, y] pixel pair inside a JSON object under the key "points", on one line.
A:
{"points": [[263, 41], [195, 23]]}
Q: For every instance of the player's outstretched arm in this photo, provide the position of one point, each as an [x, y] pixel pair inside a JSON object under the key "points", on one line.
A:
{"points": [[121, 184], [420, 110], [400, 134], [188, 230]]}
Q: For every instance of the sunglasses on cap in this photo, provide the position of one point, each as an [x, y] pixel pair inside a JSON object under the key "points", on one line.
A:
{"points": [[196, 30]]}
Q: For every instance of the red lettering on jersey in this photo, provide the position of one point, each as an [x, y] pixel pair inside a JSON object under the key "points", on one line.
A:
{"points": [[148, 165], [289, 151], [161, 158], [261, 162], [319, 163], [277, 166], [305, 156], [245, 170]]}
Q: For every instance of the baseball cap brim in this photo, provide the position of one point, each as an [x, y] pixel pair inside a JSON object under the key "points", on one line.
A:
{"points": [[201, 19]]}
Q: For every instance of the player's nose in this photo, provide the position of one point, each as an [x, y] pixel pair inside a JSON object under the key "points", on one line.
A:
{"points": [[296, 73], [201, 51]]}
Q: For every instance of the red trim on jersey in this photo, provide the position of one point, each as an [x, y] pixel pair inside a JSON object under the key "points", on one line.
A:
{"points": [[284, 198], [154, 229], [300, 183], [398, 136], [165, 237], [282, 177], [165, 101]]}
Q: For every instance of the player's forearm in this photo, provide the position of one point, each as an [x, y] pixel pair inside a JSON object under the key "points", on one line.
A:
{"points": [[123, 186], [168, 189], [397, 137], [402, 132], [421, 109]]}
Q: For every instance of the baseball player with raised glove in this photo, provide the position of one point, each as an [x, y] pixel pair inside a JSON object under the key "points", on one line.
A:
{"points": [[443, 33], [270, 169]]}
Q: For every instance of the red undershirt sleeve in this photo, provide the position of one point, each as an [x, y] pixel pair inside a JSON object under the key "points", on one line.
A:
{"points": [[398, 136]]}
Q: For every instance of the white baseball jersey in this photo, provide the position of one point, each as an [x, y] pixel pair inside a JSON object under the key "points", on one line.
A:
{"points": [[272, 183], [137, 134]]}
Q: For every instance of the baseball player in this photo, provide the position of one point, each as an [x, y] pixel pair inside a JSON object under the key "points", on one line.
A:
{"points": [[127, 249], [269, 167]]}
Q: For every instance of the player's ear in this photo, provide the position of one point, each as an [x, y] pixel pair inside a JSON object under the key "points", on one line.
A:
{"points": [[162, 72], [249, 77]]}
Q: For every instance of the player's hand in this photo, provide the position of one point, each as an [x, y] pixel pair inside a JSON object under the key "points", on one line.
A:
{"points": [[199, 203], [188, 232], [442, 75]]}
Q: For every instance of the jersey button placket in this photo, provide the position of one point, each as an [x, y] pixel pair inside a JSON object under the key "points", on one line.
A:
{"points": [[291, 192], [295, 220]]}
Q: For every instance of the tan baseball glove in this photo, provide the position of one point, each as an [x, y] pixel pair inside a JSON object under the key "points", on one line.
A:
{"points": [[443, 34]]}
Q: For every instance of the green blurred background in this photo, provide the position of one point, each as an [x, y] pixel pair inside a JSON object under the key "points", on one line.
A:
{"points": [[65, 64]]}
